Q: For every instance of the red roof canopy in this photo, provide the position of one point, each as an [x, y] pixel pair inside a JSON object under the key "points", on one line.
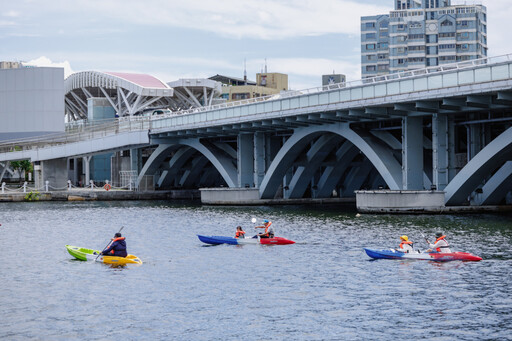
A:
{"points": [[146, 81]]}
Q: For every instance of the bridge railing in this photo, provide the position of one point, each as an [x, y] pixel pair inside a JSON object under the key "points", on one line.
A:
{"points": [[367, 81], [76, 132]]}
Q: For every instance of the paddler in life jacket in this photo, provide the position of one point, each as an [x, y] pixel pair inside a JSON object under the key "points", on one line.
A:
{"points": [[269, 230], [239, 232], [405, 246], [440, 245], [117, 247]]}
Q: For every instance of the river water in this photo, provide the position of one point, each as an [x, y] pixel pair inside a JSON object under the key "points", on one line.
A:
{"points": [[324, 287]]}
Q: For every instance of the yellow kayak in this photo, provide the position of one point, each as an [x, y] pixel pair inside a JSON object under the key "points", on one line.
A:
{"points": [[90, 254]]}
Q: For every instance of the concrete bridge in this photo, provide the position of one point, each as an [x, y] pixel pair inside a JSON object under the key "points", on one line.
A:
{"points": [[446, 128]]}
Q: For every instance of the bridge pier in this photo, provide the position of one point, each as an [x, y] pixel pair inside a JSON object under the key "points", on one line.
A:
{"points": [[245, 159], [54, 171], [412, 153]]}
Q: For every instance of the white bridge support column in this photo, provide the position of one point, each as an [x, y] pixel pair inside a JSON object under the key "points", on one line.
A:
{"points": [[245, 156], [441, 151], [87, 169], [259, 158], [412, 153], [136, 160]]}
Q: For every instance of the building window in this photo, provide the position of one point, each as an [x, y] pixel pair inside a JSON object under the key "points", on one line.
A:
{"points": [[417, 48], [416, 60], [370, 36], [401, 50], [447, 35], [401, 27], [370, 68], [370, 57], [463, 35], [383, 67], [370, 25], [240, 96], [463, 23], [370, 46], [447, 23], [416, 36], [446, 46], [401, 61]]}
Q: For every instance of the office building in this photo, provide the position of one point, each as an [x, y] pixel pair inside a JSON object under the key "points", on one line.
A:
{"points": [[420, 34]]}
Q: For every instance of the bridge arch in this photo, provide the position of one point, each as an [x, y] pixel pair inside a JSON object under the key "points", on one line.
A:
{"points": [[488, 160], [380, 156], [220, 160]]}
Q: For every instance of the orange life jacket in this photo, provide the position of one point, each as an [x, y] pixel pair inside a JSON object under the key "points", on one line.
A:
{"points": [[267, 226], [444, 246], [404, 242], [239, 233], [115, 240]]}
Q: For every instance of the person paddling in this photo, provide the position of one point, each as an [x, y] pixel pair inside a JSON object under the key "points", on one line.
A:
{"points": [[440, 245], [239, 232], [269, 230], [405, 246], [117, 247]]}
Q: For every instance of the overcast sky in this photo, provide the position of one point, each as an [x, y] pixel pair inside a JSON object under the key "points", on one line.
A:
{"points": [[173, 39]]}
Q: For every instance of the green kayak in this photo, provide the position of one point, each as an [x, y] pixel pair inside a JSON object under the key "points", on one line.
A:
{"points": [[90, 254]]}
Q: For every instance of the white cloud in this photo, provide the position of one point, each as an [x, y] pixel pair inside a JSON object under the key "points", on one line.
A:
{"points": [[260, 19], [44, 61], [7, 23], [11, 14]]}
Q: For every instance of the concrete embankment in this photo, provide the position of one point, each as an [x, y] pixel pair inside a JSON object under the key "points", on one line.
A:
{"points": [[88, 195]]}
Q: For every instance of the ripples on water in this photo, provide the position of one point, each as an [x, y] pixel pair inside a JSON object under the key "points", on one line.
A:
{"points": [[322, 288]]}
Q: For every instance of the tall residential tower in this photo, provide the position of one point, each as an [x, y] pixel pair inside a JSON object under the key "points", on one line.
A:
{"points": [[422, 33]]}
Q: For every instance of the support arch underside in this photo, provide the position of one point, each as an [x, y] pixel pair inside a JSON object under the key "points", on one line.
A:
{"points": [[380, 156], [188, 164], [484, 167]]}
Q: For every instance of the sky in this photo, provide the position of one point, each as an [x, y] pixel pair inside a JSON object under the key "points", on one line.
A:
{"points": [[173, 39]]}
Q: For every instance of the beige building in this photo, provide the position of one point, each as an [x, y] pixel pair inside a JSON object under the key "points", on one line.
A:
{"points": [[10, 65], [267, 84], [273, 80]]}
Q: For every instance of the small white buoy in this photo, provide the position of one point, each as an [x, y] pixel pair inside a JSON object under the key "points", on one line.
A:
{"points": [[358, 215], [253, 220]]}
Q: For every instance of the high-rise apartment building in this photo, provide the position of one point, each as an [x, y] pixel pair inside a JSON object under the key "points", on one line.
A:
{"points": [[422, 33]]}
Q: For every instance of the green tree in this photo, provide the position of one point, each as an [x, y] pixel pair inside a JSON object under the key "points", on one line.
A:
{"points": [[22, 165]]}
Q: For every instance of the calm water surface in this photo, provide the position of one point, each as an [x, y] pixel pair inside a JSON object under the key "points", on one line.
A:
{"points": [[322, 288]]}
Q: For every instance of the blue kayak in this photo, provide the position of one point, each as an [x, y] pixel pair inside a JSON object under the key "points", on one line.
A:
{"points": [[217, 240], [432, 256]]}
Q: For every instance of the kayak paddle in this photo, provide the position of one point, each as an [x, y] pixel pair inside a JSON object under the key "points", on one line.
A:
{"points": [[425, 238], [110, 242]]}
